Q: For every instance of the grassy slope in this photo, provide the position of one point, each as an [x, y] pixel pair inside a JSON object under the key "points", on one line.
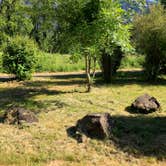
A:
{"points": [[138, 140]]}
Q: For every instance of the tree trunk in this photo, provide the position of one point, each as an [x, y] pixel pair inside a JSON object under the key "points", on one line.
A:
{"points": [[94, 67], [106, 67], [110, 63], [88, 67]]}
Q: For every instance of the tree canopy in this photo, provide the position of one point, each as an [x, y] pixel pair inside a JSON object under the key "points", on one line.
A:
{"points": [[89, 28], [150, 37]]}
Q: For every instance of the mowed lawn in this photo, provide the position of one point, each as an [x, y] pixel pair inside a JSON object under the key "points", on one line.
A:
{"points": [[59, 100]]}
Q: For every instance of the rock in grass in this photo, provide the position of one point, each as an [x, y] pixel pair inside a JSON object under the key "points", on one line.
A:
{"points": [[145, 104], [16, 115], [95, 125]]}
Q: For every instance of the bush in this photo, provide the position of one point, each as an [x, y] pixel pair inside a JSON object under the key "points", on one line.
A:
{"points": [[150, 35], [19, 57], [132, 61]]}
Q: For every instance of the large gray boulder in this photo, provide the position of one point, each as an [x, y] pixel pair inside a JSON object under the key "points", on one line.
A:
{"points": [[145, 104], [17, 115]]}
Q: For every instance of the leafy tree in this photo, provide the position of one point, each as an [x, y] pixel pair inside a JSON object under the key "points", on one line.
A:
{"points": [[150, 37], [13, 19], [89, 28], [132, 7], [163, 2], [34, 18], [42, 14]]}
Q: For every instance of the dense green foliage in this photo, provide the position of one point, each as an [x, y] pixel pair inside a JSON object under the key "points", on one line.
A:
{"points": [[87, 29], [42, 14], [163, 2], [14, 19], [92, 33], [132, 61], [150, 35], [19, 57], [62, 63], [33, 18]]}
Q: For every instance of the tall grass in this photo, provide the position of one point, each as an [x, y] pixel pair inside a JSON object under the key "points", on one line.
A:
{"points": [[57, 63], [62, 63], [47, 62]]}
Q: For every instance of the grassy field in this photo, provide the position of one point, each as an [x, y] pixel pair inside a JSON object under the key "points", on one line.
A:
{"points": [[62, 63], [57, 63], [59, 100]]}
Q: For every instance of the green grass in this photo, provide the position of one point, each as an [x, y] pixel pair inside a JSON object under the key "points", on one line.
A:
{"points": [[57, 63], [60, 100], [61, 63]]}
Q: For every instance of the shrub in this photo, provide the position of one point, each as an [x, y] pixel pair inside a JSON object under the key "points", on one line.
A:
{"points": [[133, 61], [150, 35], [19, 57]]}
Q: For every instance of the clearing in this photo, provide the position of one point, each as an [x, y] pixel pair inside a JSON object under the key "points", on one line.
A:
{"points": [[59, 100]]}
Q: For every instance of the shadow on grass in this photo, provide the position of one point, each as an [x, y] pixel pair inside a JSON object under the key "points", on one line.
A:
{"points": [[72, 132], [58, 80], [130, 77], [62, 76], [55, 83], [61, 79], [138, 136], [133, 110], [135, 77], [23, 96], [121, 78], [141, 135], [6, 78]]}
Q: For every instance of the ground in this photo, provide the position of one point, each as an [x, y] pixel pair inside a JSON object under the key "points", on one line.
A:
{"points": [[59, 100]]}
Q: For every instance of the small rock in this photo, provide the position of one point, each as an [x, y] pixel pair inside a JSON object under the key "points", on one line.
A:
{"points": [[95, 125], [145, 104], [16, 115]]}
